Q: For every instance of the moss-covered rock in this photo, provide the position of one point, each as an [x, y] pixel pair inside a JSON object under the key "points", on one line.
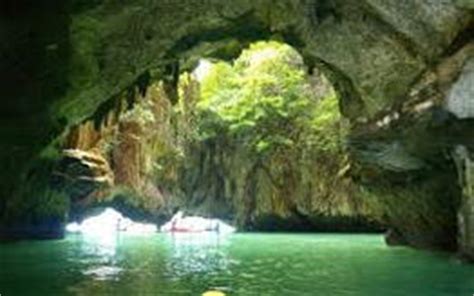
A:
{"points": [[465, 168], [39, 209]]}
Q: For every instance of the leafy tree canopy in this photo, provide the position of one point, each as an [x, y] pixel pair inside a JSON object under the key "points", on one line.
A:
{"points": [[265, 100]]}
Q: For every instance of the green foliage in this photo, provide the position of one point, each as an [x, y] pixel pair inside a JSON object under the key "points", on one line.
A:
{"points": [[264, 100], [256, 135], [327, 126], [141, 113]]}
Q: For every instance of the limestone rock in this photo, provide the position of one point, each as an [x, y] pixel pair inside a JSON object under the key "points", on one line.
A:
{"points": [[460, 100], [465, 166], [84, 174]]}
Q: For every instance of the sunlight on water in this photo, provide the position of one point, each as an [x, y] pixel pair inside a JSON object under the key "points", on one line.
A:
{"points": [[197, 253], [107, 223], [240, 264]]}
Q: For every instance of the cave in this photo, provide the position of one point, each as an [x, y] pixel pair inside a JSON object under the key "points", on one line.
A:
{"points": [[341, 125]]}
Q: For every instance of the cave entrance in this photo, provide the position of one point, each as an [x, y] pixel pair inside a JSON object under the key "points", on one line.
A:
{"points": [[258, 141]]}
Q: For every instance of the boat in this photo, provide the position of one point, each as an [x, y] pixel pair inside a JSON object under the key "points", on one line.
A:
{"points": [[194, 224]]}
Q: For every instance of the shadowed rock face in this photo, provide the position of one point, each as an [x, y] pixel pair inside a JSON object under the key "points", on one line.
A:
{"points": [[64, 60]]}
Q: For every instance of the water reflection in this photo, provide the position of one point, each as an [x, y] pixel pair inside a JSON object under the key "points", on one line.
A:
{"points": [[98, 259], [100, 236], [103, 273], [241, 264], [193, 254], [100, 245]]}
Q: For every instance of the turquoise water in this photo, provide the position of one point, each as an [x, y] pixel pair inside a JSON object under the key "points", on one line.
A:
{"points": [[241, 264]]}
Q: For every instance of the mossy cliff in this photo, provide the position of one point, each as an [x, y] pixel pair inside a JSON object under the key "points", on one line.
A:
{"points": [[63, 61]]}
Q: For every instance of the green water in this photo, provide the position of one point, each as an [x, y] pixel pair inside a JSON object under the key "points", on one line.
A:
{"points": [[242, 264]]}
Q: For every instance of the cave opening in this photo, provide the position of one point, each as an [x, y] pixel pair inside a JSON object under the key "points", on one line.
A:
{"points": [[258, 141]]}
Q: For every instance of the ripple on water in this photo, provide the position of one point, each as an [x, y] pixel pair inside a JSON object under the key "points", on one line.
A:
{"points": [[104, 273], [242, 265]]}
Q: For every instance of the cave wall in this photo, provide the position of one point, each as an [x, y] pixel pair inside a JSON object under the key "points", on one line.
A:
{"points": [[155, 153], [460, 102], [465, 167], [381, 48], [110, 159], [287, 190], [61, 60]]}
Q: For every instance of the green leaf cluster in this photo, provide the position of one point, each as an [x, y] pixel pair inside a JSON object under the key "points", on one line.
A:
{"points": [[265, 101]]}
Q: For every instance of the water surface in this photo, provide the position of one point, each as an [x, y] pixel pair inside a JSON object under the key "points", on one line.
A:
{"points": [[241, 264]]}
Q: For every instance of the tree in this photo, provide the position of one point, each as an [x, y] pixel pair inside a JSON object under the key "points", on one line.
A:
{"points": [[264, 100]]}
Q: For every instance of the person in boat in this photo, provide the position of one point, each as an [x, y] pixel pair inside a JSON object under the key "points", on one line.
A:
{"points": [[175, 221], [178, 223]]}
